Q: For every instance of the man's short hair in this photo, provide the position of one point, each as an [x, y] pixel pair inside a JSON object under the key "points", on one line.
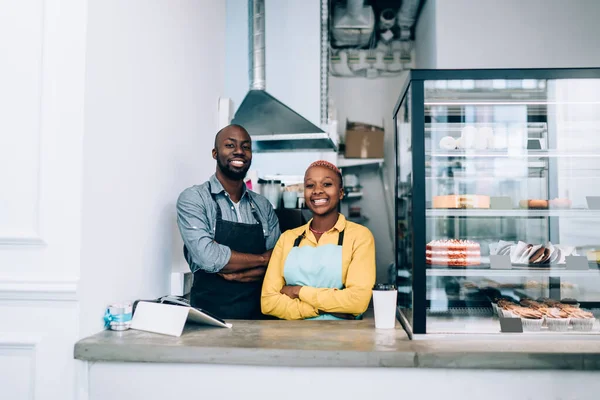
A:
{"points": [[227, 127]]}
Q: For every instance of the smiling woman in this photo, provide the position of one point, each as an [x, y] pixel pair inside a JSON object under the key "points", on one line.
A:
{"points": [[326, 268]]}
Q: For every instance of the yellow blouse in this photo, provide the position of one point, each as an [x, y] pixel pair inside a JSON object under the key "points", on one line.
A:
{"points": [[358, 274]]}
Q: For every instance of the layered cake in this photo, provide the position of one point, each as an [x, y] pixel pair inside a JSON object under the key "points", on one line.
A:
{"points": [[453, 252], [461, 201]]}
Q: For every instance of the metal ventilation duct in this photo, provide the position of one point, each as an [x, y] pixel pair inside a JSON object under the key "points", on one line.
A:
{"points": [[353, 24], [272, 125]]}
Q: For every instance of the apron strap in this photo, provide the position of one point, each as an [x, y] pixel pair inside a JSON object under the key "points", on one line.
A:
{"points": [[219, 215], [254, 212], [298, 240], [340, 239]]}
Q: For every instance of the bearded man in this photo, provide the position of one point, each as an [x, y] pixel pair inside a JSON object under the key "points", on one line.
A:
{"points": [[228, 232]]}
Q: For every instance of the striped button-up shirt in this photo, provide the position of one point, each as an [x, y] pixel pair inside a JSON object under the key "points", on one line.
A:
{"points": [[197, 218]]}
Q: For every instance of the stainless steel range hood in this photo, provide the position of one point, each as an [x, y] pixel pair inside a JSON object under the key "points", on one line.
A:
{"points": [[272, 125]]}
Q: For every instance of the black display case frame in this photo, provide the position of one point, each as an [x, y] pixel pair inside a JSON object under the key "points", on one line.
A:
{"points": [[412, 306]]}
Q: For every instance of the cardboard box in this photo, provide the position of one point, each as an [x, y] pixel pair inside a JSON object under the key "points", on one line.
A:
{"points": [[363, 141]]}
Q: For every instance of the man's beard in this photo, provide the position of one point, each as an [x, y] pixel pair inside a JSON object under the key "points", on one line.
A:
{"points": [[231, 174]]}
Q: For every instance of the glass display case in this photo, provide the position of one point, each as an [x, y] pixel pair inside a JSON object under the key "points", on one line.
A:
{"points": [[498, 202]]}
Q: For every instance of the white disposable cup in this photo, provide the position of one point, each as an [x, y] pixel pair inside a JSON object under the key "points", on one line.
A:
{"points": [[384, 304], [290, 199]]}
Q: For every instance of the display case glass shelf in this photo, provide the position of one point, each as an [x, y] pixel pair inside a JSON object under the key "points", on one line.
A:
{"points": [[572, 213], [498, 201]]}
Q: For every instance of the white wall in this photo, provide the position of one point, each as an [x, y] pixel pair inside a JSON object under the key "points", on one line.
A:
{"points": [[41, 97], [236, 51], [41, 129], [372, 101], [101, 130], [513, 34], [155, 71], [425, 34]]}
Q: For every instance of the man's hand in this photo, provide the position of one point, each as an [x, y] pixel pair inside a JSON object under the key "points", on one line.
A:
{"points": [[249, 275], [293, 292], [267, 257], [241, 262]]}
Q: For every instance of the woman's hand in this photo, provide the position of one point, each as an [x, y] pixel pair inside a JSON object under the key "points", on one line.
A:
{"points": [[293, 292]]}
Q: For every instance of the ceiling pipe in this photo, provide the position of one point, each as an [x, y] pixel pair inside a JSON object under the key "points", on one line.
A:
{"points": [[256, 43], [407, 16]]}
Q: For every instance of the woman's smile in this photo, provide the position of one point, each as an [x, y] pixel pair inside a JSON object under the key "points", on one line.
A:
{"points": [[320, 201]]}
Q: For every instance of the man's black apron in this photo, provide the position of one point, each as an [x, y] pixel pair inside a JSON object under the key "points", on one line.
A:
{"points": [[226, 299]]}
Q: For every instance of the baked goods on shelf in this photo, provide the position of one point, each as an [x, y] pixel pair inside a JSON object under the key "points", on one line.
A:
{"points": [[564, 286], [453, 252], [537, 254], [484, 137], [580, 320], [555, 315], [531, 284], [461, 201], [504, 308], [468, 137], [532, 254], [570, 302], [540, 204], [478, 138], [536, 204], [531, 304], [448, 143], [532, 320], [501, 248], [594, 256], [557, 320]]}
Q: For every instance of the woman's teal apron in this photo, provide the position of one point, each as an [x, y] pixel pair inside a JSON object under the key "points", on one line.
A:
{"points": [[319, 267]]}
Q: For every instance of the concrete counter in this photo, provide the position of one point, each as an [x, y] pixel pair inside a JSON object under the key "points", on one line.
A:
{"points": [[336, 344]]}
